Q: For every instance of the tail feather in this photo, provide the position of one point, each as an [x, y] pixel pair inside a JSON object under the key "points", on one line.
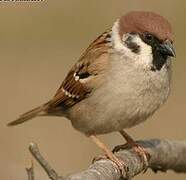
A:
{"points": [[39, 111]]}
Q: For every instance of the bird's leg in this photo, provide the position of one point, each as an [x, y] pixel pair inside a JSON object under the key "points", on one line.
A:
{"points": [[109, 154], [137, 148]]}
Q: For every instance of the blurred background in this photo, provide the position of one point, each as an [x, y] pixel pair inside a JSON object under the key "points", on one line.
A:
{"points": [[39, 42]]}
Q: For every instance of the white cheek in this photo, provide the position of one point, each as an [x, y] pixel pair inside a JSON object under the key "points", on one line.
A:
{"points": [[116, 40], [143, 58]]}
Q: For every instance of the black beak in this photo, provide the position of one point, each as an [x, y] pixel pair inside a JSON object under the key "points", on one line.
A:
{"points": [[167, 49]]}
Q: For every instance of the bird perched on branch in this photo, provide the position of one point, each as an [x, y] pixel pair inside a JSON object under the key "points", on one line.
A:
{"points": [[119, 81]]}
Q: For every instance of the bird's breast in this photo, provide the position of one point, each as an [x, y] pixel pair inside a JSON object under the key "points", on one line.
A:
{"points": [[127, 98]]}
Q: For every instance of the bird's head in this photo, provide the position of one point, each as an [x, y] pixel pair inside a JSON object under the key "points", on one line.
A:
{"points": [[145, 37]]}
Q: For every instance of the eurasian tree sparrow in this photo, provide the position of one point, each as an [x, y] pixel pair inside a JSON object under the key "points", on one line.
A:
{"points": [[120, 80]]}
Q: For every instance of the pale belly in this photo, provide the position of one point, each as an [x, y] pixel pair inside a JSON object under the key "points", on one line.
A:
{"points": [[113, 109]]}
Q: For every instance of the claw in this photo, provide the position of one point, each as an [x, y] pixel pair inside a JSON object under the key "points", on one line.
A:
{"points": [[138, 149], [120, 147], [121, 166], [143, 154], [98, 158]]}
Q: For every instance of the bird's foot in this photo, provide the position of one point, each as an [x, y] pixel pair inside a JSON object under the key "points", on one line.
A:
{"points": [[121, 147], [123, 168], [120, 165], [143, 153]]}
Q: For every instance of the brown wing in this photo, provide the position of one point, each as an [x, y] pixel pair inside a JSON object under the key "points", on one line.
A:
{"points": [[70, 92], [72, 89]]}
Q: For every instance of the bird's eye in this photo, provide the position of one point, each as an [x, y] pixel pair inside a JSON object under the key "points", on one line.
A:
{"points": [[148, 37]]}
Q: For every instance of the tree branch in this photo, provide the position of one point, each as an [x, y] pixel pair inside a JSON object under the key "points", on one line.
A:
{"points": [[46, 166], [165, 155], [30, 171]]}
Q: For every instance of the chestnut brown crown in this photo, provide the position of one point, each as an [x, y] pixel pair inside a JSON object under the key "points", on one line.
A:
{"points": [[142, 22]]}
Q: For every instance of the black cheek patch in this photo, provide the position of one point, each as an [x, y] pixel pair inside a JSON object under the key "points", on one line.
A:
{"points": [[132, 45]]}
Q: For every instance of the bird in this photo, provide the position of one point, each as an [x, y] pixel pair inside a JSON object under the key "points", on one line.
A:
{"points": [[120, 80]]}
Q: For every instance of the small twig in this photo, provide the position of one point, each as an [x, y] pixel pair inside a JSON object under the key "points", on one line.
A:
{"points": [[30, 172], [48, 169], [165, 155]]}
